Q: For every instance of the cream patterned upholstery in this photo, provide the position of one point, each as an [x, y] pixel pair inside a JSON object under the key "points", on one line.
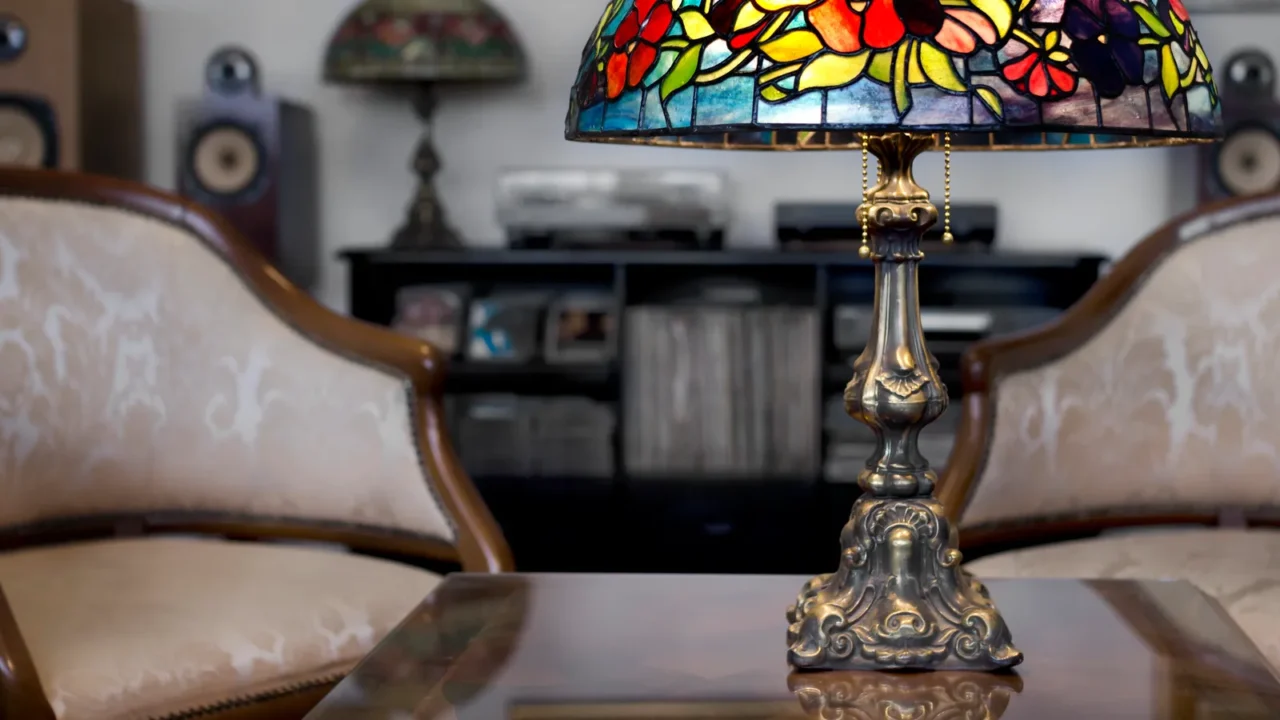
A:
{"points": [[138, 373], [1175, 404], [1239, 568], [151, 627], [1171, 407]]}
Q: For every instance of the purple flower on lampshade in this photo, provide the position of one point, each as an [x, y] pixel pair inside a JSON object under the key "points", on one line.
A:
{"points": [[1104, 43]]}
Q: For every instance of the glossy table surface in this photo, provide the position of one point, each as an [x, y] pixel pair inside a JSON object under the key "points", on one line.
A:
{"points": [[607, 647]]}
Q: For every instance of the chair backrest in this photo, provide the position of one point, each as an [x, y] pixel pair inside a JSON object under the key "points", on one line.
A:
{"points": [[1155, 399], [157, 372]]}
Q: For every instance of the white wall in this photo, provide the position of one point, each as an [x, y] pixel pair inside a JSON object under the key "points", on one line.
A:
{"points": [[1092, 201]]}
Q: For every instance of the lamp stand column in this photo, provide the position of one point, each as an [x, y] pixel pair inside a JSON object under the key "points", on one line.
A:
{"points": [[899, 599], [426, 227]]}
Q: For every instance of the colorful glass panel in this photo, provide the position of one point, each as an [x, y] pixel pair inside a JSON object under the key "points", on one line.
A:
{"points": [[798, 74]]}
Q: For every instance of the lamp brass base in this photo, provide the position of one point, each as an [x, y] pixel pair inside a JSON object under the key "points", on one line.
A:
{"points": [[899, 599]]}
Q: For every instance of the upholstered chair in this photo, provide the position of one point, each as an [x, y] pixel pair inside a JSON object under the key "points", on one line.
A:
{"points": [[191, 452], [1154, 402]]}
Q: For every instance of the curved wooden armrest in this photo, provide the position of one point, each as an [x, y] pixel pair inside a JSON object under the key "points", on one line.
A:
{"points": [[21, 696]]}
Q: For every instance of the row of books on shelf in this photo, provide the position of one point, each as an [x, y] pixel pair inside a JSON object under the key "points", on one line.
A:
{"points": [[579, 327], [722, 391]]}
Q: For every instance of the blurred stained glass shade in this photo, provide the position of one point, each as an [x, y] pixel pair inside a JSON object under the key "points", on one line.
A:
{"points": [[423, 41], [812, 74]]}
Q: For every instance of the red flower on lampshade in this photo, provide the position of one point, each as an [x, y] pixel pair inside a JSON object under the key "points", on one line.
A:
{"points": [[878, 25], [960, 28], [726, 19], [635, 46], [1044, 71], [394, 32]]}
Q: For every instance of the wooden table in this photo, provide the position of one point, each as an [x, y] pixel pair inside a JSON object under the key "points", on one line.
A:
{"points": [[607, 647]]}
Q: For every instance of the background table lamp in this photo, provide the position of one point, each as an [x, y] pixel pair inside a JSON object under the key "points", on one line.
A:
{"points": [[896, 78], [422, 43]]}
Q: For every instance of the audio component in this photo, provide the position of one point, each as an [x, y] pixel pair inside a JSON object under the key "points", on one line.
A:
{"points": [[252, 158], [1247, 162], [70, 90]]}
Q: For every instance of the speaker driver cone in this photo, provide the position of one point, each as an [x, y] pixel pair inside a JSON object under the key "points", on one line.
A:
{"points": [[1249, 162], [226, 160], [22, 140]]}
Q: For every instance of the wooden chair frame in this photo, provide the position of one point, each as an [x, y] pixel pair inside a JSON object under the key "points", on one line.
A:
{"points": [[480, 546], [985, 363]]}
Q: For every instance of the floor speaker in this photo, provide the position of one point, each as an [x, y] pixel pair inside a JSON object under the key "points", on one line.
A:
{"points": [[1247, 162], [252, 157], [70, 90]]}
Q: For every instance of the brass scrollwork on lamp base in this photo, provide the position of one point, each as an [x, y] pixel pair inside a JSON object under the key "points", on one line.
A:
{"points": [[899, 599]]}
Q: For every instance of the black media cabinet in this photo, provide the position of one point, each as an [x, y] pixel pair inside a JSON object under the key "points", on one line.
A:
{"points": [[621, 524]]}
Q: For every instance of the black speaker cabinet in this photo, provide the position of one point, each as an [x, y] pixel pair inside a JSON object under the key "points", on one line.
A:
{"points": [[70, 90], [252, 157], [1247, 162]]}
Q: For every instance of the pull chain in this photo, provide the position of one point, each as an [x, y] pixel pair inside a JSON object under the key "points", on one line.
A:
{"points": [[864, 252], [947, 237]]}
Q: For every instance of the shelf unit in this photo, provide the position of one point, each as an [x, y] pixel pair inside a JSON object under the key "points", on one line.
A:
{"points": [[691, 524]]}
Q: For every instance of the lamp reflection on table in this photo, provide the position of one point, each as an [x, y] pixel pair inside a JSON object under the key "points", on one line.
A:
{"points": [[829, 696], [918, 696]]}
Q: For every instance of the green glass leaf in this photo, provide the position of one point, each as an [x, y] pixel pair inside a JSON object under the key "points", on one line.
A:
{"points": [[682, 74], [938, 68], [902, 93], [1150, 20], [881, 67], [1168, 71], [991, 100]]}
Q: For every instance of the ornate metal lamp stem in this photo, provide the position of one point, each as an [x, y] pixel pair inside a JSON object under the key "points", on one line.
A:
{"points": [[425, 226], [899, 599]]}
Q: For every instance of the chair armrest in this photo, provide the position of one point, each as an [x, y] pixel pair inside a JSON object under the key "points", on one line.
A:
{"points": [[21, 696]]}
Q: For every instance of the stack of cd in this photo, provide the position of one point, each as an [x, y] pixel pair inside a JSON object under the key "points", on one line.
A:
{"points": [[722, 392], [526, 437]]}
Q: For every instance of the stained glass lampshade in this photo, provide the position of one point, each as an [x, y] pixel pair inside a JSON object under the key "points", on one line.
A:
{"points": [[896, 78], [810, 74], [423, 41]]}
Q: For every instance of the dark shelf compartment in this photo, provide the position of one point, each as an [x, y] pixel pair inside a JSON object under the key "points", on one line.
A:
{"points": [[692, 524], [539, 378]]}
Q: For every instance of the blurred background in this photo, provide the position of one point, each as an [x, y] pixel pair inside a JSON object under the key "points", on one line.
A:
{"points": [[1064, 201]]}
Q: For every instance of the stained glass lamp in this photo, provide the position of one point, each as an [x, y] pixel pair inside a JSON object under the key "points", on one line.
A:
{"points": [[895, 78], [423, 43]]}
